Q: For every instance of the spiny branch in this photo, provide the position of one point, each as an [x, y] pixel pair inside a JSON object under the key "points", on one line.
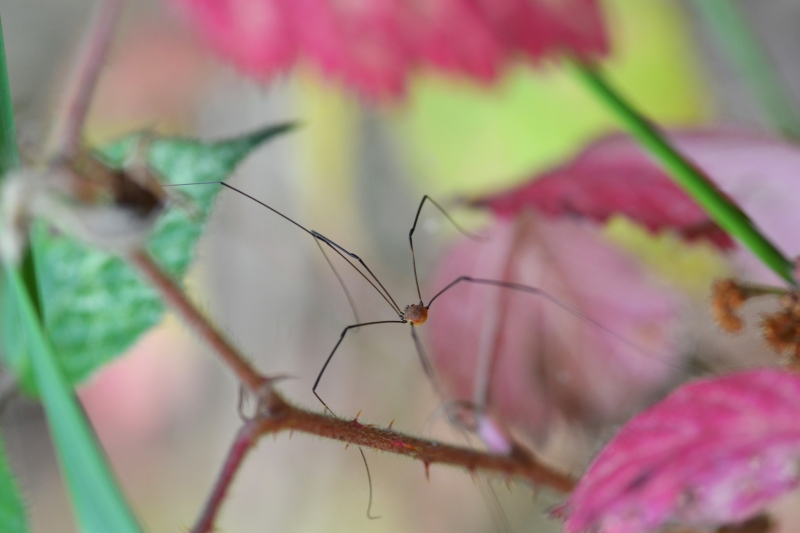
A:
{"points": [[175, 297], [275, 414], [245, 440], [280, 415]]}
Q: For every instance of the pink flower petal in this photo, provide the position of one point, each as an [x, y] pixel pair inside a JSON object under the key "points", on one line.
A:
{"points": [[374, 45], [715, 451], [548, 364]]}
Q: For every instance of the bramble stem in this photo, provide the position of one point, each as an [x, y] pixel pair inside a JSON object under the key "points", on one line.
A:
{"points": [[275, 414], [175, 297], [66, 136], [245, 440], [283, 416], [722, 210]]}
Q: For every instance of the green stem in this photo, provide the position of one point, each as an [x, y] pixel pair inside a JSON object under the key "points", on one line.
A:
{"points": [[9, 154], [9, 161], [98, 502], [749, 58], [690, 178]]}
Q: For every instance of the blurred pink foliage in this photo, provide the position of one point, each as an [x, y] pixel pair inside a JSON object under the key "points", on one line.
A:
{"points": [[547, 363], [373, 45], [614, 176], [713, 452]]}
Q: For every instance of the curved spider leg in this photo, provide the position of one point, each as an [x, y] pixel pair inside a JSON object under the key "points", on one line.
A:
{"points": [[566, 307], [414, 227], [336, 347]]}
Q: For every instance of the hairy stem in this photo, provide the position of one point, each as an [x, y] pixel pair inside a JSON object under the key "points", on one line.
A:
{"points": [[283, 416], [245, 440], [275, 414], [66, 136], [721, 209], [175, 297]]}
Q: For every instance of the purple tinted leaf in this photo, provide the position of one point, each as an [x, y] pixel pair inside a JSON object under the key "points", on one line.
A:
{"points": [[715, 451]]}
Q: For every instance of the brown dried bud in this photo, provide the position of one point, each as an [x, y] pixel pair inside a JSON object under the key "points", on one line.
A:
{"points": [[782, 330], [110, 208], [727, 298]]}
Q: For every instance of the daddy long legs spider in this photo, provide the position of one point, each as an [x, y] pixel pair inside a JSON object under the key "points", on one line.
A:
{"points": [[416, 314]]}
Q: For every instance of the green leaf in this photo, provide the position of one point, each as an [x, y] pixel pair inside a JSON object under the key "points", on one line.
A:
{"points": [[12, 512], [96, 306], [98, 503]]}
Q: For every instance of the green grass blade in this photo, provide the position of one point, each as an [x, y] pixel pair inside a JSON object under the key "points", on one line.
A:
{"points": [[719, 208], [13, 518], [12, 510], [98, 502], [9, 155], [748, 57]]}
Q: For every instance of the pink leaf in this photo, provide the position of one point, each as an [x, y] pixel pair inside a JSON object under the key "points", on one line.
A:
{"points": [[614, 176], [539, 28], [257, 36], [713, 452], [548, 364], [374, 45], [358, 41], [453, 35]]}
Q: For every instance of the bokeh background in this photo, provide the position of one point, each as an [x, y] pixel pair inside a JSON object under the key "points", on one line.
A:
{"points": [[355, 171]]}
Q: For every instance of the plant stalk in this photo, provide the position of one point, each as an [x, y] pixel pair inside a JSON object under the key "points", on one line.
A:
{"points": [[722, 210]]}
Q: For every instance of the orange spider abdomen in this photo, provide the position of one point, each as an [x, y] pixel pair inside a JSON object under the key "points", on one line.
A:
{"points": [[417, 314]]}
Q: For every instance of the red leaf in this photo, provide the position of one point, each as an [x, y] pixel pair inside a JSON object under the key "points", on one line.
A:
{"points": [[615, 177], [713, 452], [548, 364], [374, 45], [257, 36]]}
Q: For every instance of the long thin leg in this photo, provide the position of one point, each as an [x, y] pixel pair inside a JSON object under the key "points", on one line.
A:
{"points": [[339, 249], [549, 297], [414, 227], [498, 516], [426, 365], [369, 480], [335, 246], [341, 338], [331, 244], [341, 281]]}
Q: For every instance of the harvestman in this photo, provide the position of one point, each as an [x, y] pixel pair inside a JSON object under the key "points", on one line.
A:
{"points": [[416, 314]]}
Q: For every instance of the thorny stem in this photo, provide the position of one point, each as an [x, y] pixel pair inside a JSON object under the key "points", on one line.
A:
{"points": [[275, 414], [245, 440], [173, 295], [66, 137], [284, 416]]}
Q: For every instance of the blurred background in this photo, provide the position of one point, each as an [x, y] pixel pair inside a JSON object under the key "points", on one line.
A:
{"points": [[355, 171]]}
